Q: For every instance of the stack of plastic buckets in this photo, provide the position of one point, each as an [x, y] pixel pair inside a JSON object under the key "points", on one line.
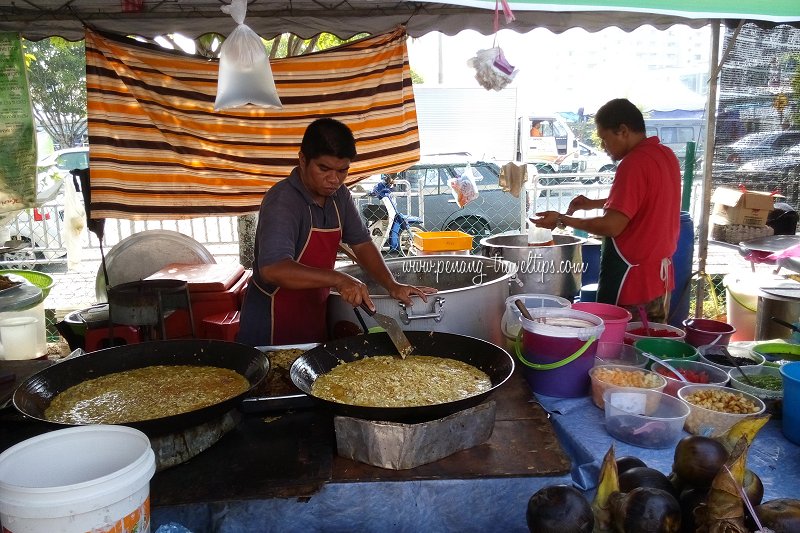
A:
{"points": [[557, 350], [615, 319]]}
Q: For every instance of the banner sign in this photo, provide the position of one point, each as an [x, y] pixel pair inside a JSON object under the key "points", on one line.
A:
{"points": [[17, 130]]}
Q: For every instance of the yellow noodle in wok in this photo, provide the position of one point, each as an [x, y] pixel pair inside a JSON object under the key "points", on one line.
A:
{"points": [[145, 394], [386, 381]]}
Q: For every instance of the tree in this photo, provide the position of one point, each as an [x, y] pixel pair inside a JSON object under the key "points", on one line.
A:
{"points": [[57, 80]]}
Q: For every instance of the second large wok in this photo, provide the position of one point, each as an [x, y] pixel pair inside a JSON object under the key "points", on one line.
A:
{"points": [[479, 353], [34, 395]]}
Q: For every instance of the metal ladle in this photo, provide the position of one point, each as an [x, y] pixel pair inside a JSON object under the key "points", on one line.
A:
{"points": [[727, 354], [666, 365]]}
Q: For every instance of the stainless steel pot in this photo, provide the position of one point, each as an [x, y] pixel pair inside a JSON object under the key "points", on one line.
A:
{"points": [[470, 301], [553, 269], [769, 305]]}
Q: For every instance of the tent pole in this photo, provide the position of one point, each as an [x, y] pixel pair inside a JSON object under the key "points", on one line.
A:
{"points": [[705, 197]]}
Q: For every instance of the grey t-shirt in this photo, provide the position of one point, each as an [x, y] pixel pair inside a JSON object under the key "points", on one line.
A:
{"points": [[286, 217]]}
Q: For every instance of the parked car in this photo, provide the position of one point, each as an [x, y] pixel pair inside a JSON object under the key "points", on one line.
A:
{"points": [[493, 211], [61, 162], [756, 146]]}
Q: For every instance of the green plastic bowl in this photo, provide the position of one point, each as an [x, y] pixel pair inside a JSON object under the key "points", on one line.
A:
{"points": [[776, 352], [666, 349], [41, 280]]}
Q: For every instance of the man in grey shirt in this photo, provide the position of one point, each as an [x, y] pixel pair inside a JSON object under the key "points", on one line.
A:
{"points": [[301, 222]]}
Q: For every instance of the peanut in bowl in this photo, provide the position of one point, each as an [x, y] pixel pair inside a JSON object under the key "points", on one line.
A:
{"points": [[606, 376], [714, 408]]}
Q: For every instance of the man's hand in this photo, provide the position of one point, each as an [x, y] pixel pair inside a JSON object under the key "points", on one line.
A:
{"points": [[546, 219], [353, 291], [403, 292], [579, 203]]}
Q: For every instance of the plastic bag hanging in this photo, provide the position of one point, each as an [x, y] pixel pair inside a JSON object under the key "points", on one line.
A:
{"points": [[492, 70], [245, 76], [464, 187]]}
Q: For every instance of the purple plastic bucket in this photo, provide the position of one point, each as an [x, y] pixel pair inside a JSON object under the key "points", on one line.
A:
{"points": [[557, 351], [703, 331], [615, 319]]}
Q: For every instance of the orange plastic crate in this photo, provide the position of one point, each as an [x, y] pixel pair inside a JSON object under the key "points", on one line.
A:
{"points": [[442, 241]]}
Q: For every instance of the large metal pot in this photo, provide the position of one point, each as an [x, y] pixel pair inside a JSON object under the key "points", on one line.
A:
{"points": [[482, 355], [552, 269], [470, 301]]}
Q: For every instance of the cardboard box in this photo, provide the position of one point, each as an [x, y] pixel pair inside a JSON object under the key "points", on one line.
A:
{"points": [[737, 207]]}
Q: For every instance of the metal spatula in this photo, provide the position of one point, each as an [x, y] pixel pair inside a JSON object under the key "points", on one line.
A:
{"points": [[394, 330]]}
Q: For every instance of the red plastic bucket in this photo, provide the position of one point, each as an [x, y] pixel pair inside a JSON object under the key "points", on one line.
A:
{"points": [[558, 349], [703, 331], [615, 319]]}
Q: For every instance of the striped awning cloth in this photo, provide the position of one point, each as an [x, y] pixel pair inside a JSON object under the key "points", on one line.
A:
{"points": [[158, 150]]}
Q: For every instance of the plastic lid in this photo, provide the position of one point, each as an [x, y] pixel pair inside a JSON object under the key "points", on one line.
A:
{"points": [[20, 298]]}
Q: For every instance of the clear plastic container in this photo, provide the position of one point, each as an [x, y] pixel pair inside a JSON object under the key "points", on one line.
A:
{"points": [[644, 417], [609, 376], [711, 423], [661, 331], [618, 353], [511, 324], [772, 398], [714, 375], [23, 306], [710, 354]]}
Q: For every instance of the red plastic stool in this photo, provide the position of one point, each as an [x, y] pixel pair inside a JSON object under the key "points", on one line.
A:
{"points": [[97, 338], [222, 326]]}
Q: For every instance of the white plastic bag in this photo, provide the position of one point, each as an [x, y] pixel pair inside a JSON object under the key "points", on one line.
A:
{"points": [[245, 76], [464, 188], [492, 70], [75, 222]]}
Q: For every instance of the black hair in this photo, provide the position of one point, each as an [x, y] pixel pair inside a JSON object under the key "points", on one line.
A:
{"points": [[617, 112], [327, 136]]}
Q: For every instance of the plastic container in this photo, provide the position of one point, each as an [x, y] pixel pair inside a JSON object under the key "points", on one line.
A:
{"points": [[703, 331], [709, 423], [712, 355], [25, 301], [539, 236], [666, 348], [658, 330], [777, 353], [682, 261], [741, 300], [558, 349], [18, 338], [623, 376], [615, 319], [714, 375], [440, 241], [791, 401], [74, 480], [511, 324], [772, 398], [618, 353], [643, 417]]}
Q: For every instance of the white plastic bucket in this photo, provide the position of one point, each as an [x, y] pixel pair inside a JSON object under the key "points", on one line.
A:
{"points": [[89, 478], [741, 301], [511, 323]]}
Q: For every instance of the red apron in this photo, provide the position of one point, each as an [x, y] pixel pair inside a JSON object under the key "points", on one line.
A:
{"points": [[299, 316]]}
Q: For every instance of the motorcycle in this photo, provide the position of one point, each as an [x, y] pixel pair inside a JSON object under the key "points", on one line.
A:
{"points": [[387, 225]]}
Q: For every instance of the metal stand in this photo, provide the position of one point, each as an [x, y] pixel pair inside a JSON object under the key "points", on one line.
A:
{"points": [[146, 303]]}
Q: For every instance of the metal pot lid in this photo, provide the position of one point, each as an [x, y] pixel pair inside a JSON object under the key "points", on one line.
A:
{"points": [[145, 253], [23, 296]]}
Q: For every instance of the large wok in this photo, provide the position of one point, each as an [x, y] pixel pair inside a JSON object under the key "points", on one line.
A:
{"points": [[34, 395], [479, 353]]}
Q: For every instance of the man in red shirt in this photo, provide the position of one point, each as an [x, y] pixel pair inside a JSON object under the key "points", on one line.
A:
{"points": [[641, 216]]}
